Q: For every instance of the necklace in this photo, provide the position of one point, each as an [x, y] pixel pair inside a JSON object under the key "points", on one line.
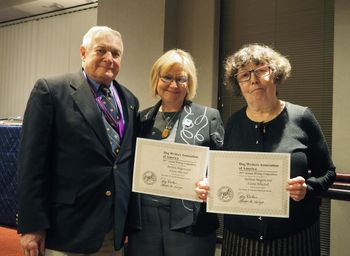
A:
{"points": [[168, 124], [264, 117]]}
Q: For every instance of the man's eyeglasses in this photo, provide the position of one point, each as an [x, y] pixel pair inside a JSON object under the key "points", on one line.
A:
{"points": [[178, 80], [245, 75]]}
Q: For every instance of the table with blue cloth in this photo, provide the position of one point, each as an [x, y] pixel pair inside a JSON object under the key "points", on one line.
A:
{"points": [[9, 144]]}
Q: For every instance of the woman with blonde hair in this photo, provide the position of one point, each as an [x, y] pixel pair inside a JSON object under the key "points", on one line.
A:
{"points": [[162, 226]]}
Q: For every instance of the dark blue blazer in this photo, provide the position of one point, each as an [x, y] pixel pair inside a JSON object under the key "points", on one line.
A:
{"points": [[70, 183]]}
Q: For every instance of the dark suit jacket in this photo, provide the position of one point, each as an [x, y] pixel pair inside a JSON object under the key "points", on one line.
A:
{"points": [[70, 184], [198, 125]]}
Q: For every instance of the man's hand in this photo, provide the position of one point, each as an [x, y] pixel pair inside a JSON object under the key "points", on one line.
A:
{"points": [[33, 244]]}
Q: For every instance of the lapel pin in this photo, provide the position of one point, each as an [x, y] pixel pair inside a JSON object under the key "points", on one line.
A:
{"points": [[187, 122]]}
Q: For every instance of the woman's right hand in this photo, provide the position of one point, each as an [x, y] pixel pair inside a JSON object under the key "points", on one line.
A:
{"points": [[202, 189], [297, 188]]}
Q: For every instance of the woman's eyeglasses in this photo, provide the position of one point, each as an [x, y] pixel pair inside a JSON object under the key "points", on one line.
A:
{"points": [[245, 75], [178, 80]]}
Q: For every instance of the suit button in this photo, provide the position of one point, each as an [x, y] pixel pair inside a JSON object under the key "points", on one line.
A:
{"points": [[115, 168], [261, 237], [108, 193]]}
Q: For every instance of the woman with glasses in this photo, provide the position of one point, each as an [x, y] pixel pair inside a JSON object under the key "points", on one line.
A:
{"points": [[162, 226], [269, 124]]}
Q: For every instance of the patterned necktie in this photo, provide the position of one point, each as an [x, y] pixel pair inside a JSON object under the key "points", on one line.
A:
{"points": [[111, 118]]}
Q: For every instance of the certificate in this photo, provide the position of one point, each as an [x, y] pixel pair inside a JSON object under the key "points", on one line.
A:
{"points": [[168, 169], [248, 183]]}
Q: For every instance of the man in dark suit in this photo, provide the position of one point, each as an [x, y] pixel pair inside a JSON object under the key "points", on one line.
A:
{"points": [[76, 157]]}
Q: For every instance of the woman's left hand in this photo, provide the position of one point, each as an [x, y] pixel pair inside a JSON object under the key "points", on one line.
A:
{"points": [[202, 189], [297, 188]]}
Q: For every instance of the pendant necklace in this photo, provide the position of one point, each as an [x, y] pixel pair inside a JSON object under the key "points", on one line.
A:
{"points": [[168, 125]]}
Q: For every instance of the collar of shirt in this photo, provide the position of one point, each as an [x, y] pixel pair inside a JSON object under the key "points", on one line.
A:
{"points": [[95, 86]]}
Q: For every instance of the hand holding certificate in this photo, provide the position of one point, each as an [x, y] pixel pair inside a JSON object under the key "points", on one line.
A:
{"points": [[248, 183], [168, 169]]}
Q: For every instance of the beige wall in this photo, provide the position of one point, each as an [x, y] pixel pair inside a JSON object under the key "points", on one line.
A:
{"points": [[141, 24], [340, 210], [151, 27], [341, 80], [340, 226], [37, 48]]}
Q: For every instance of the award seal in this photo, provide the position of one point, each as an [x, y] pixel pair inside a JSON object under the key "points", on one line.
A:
{"points": [[225, 194], [149, 178]]}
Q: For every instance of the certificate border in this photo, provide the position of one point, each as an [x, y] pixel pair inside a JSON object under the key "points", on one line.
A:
{"points": [[137, 185], [213, 158]]}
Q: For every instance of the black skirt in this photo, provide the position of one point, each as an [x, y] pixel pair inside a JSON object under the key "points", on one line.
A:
{"points": [[304, 243]]}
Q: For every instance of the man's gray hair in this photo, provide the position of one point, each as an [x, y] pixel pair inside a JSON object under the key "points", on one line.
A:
{"points": [[95, 31]]}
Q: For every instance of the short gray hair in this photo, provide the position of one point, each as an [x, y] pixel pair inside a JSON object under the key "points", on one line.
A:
{"points": [[257, 54], [95, 31]]}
